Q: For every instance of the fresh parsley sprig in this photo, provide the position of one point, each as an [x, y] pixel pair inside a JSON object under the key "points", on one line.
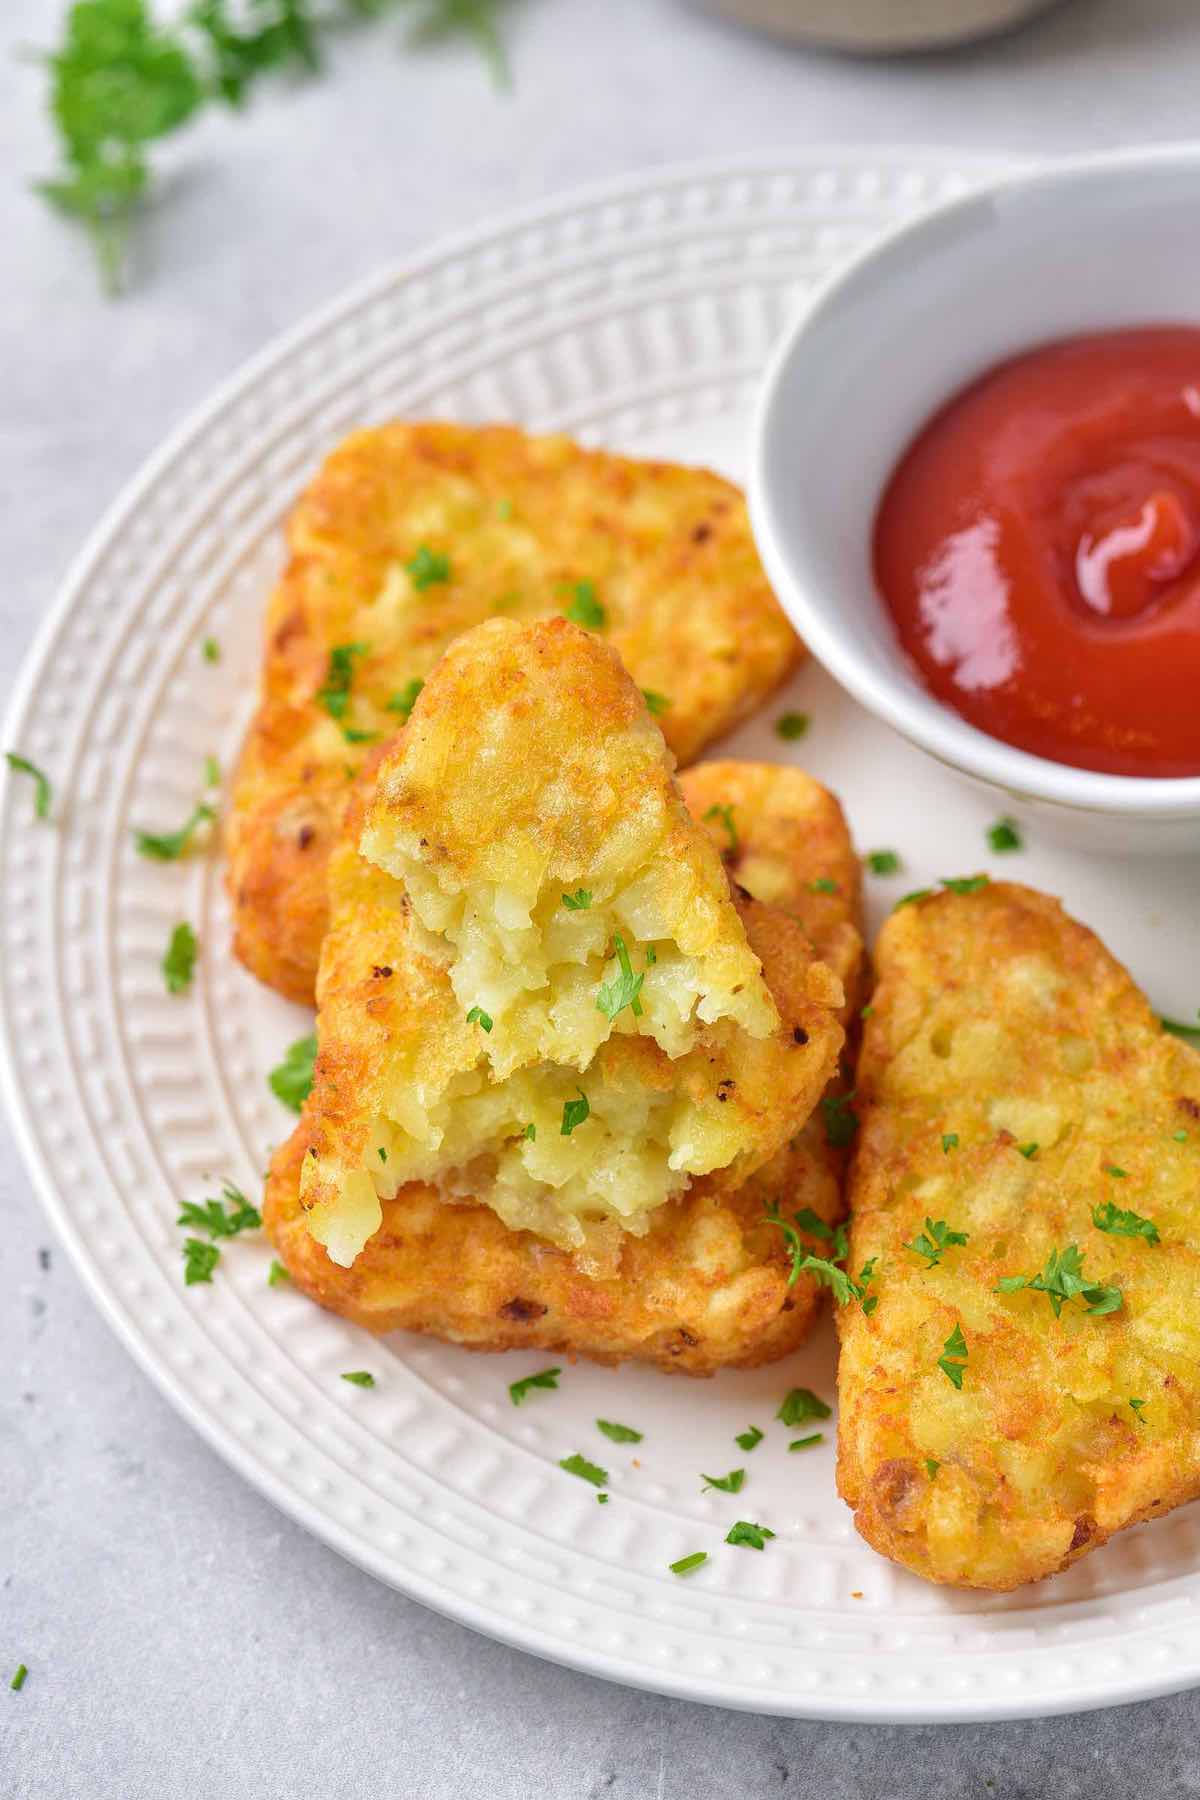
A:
{"points": [[291, 1080], [934, 1241], [1063, 1279]]}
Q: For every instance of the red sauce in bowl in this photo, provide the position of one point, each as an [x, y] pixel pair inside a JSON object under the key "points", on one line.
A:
{"points": [[1038, 547]]}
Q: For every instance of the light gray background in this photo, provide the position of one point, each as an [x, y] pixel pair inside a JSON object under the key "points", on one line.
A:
{"points": [[182, 1638]]}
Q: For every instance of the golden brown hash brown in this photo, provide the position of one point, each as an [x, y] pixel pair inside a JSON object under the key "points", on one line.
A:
{"points": [[411, 534], [707, 1286], [1016, 1088], [560, 940]]}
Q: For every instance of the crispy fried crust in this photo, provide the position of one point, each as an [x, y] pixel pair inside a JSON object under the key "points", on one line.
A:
{"points": [[707, 1287], [1000, 1020], [667, 551]]}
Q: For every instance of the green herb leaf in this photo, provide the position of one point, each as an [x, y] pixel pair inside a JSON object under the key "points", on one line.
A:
{"points": [[748, 1535], [806, 1443], [1121, 1223], [179, 961], [623, 990], [728, 1484], [584, 608], [932, 1465], [477, 1016], [404, 701], [579, 901], [354, 736], [210, 650], [169, 846], [725, 815], [1028, 1151], [686, 1564], [199, 1260], [601, 1499], [19, 1674], [531, 1132], [1179, 1137], [827, 1271], [518, 1391], [221, 1221], [362, 1378], [800, 1405], [334, 695], [212, 772], [792, 726], [1063, 1279], [840, 1120], [749, 1439], [43, 793], [574, 1113], [953, 1360], [883, 862], [935, 1240], [586, 1471], [428, 568], [1189, 1033], [949, 1142], [277, 1274], [1137, 1406], [620, 1434], [291, 1080], [911, 899], [823, 885], [965, 884], [1004, 835], [656, 704]]}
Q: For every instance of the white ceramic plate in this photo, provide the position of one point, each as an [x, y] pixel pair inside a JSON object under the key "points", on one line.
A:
{"points": [[640, 317]]}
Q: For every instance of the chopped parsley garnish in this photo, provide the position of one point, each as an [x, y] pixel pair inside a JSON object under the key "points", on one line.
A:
{"points": [[911, 899], [354, 736], [932, 1465], [574, 1113], [334, 696], [686, 1564], [586, 1471], [949, 1142], [428, 568], [1063, 1279], [210, 650], [518, 1391], [791, 726], [749, 1439], [806, 1443], [1112, 1169], [43, 793], [212, 772], [1028, 1151], [179, 961], [291, 1080], [829, 1272], [1004, 835], [953, 1360], [405, 699], [656, 704], [935, 1240], [748, 1535], [816, 1226], [584, 608], [728, 1484], [579, 901], [601, 1499], [169, 846], [964, 884], [382, 1154], [504, 509], [620, 1434], [800, 1405], [623, 990], [883, 862], [725, 815], [866, 1011], [18, 1680], [359, 1378], [531, 1132], [1120, 1223], [840, 1120], [1179, 1137], [1190, 1033], [277, 1274], [477, 1016], [651, 956], [1137, 1406], [199, 1260], [823, 885], [221, 1221]]}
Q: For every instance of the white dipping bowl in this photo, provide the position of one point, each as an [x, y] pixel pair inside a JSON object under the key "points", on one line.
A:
{"points": [[1088, 245]]}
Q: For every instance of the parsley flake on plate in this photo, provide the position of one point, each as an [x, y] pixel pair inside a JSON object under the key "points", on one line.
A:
{"points": [[584, 608], [934, 1241], [601, 1499], [277, 1274], [791, 726], [179, 959], [748, 1535], [686, 1564], [334, 695], [749, 1439], [362, 1378], [728, 1484], [1122, 1223], [519, 1391], [1004, 835], [405, 699], [574, 1114], [612, 997], [221, 1221], [656, 704], [210, 650], [619, 1434], [199, 1261], [800, 1405], [212, 772], [477, 1016], [169, 846], [428, 568], [1063, 1279], [579, 901], [43, 793], [18, 1680], [806, 1443], [575, 1464], [725, 815], [291, 1080], [953, 1360], [883, 862]]}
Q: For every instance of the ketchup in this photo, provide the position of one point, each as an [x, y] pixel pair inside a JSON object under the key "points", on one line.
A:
{"points": [[1038, 547]]}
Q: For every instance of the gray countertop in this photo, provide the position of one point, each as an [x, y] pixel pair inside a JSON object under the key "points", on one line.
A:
{"points": [[182, 1638]]}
